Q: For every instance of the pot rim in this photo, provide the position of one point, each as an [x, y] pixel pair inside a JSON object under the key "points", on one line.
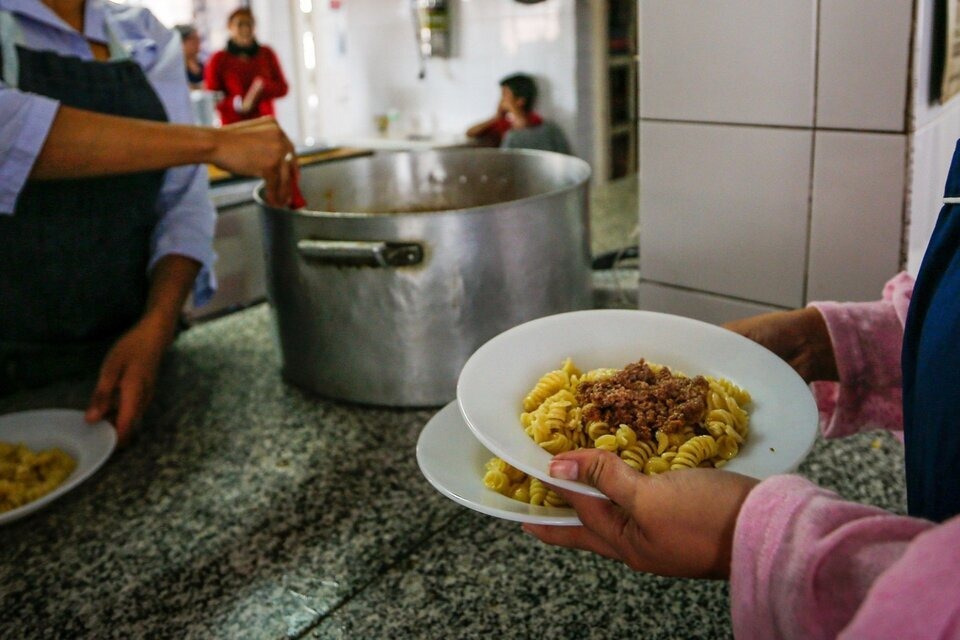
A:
{"points": [[582, 165]]}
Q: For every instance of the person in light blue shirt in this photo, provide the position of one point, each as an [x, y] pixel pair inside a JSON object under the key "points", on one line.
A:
{"points": [[105, 218]]}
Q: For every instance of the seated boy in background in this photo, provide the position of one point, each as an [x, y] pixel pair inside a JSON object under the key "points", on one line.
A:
{"points": [[518, 94], [516, 125]]}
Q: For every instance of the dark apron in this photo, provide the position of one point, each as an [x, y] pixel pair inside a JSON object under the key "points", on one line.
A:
{"points": [[74, 255], [931, 369]]}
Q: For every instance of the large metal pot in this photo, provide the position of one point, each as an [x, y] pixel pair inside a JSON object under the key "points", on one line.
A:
{"points": [[407, 262]]}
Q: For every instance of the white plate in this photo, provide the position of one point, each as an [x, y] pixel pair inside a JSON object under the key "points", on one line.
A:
{"points": [[453, 461], [89, 445], [494, 381]]}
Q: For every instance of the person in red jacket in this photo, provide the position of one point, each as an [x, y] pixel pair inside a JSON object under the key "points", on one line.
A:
{"points": [[247, 73]]}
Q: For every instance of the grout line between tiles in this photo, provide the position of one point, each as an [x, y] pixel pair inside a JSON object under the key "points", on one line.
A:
{"points": [[813, 164], [779, 127], [713, 294]]}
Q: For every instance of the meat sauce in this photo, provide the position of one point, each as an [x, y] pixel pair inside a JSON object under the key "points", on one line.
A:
{"points": [[645, 400]]}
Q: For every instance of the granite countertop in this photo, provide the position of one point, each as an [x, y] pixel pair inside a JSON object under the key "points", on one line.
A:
{"points": [[244, 508]]}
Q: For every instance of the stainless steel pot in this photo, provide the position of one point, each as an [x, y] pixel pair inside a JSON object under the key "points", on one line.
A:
{"points": [[408, 262]]}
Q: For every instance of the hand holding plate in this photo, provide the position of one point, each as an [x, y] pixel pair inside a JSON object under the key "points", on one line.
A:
{"points": [[673, 524]]}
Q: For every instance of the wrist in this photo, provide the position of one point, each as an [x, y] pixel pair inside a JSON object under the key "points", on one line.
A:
{"points": [[742, 489], [160, 326], [211, 142], [820, 344]]}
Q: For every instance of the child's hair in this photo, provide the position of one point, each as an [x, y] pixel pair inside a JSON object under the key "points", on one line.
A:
{"points": [[522, 86], [185, 30], [236, 13]]}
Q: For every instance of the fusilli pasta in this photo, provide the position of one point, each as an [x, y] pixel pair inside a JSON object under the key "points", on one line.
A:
{"points": [[554, 418]]}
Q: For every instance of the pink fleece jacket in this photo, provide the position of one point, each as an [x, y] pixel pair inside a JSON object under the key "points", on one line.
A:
{"points": [[808, 564]]}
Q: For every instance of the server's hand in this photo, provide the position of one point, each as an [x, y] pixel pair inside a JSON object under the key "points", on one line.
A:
{"points": [[127, 378], [258, 148]]}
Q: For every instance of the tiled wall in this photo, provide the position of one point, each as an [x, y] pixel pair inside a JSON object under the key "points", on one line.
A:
{"points": [[779, 144], [369, 64]]}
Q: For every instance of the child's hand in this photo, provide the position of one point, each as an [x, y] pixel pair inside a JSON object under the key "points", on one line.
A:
{"points": [[678, 523], [800, 337]]}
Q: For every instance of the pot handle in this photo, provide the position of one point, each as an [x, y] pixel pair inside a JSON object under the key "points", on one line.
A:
{"points": [[356, 253]]}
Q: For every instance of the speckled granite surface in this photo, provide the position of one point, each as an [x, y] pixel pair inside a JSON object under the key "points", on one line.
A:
{"points": [[246, 509], [242, 509]]}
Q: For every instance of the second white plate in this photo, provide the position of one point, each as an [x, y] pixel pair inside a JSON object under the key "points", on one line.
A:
{"points": [[453, 461], [89, 445]]}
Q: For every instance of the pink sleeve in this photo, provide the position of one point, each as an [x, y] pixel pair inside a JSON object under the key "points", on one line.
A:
{"points": [[867, 338], [807, 564]]}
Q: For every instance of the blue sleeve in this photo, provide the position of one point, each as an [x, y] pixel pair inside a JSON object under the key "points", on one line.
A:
{"points": [[187, 216], [25, 121]]}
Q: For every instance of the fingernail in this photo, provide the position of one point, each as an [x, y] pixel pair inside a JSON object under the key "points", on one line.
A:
{"points": [[564, 469]]}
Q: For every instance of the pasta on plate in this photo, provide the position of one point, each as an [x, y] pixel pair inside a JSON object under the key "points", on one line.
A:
{"points": [[26, 476], [655, 419]]}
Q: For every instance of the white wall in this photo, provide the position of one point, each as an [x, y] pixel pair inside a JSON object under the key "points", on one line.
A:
{"points": [[369, 64], [808, 160]]}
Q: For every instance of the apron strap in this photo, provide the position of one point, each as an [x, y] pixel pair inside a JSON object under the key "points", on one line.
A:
{"points": [[951, 201], [10, 37]]}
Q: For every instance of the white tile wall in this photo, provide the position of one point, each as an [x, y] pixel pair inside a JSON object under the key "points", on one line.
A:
{"points": [[725, 208], [864, 52], [858, 205], [739, 61], [873, 196], [697, 305]]}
